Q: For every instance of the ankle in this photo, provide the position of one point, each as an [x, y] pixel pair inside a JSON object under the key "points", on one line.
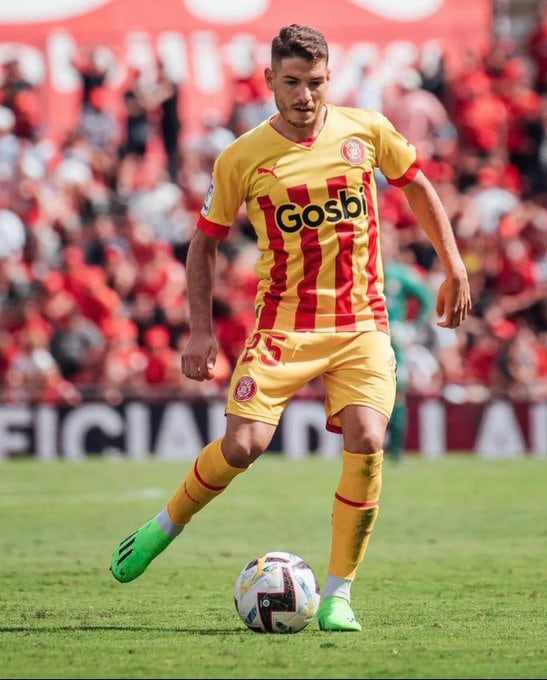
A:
{"points": [[166, 523], [337, 587]]}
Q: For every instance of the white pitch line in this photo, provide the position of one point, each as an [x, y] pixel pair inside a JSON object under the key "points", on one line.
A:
{"points": [[96, 499]]}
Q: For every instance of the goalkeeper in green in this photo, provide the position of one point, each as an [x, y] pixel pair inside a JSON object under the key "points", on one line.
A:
{"points": [[402, 283]]}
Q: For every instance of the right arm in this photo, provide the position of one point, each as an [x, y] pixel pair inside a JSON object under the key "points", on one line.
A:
{"points": [[199, 355]]}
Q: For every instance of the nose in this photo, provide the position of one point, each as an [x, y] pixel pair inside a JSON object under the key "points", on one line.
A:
{"points": [[304, 93]]}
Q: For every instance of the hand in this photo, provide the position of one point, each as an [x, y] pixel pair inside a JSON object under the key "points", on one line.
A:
{"points": [[199, 356], [453, 302]]}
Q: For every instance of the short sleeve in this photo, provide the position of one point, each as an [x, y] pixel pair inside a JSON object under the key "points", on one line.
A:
{"points": [[224, 196], [397, 157]]}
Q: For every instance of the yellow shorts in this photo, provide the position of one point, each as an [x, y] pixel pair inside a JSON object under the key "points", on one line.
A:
{"points": [[356, 368]]}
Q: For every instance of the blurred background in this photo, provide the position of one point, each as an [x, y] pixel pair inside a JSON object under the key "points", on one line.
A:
{"points": [[111, 115]]}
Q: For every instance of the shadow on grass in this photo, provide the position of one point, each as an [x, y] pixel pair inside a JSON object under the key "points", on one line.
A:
{"points": [[133, 629]]}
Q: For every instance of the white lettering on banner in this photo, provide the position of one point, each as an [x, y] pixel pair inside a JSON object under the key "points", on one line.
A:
{"points": [[298, 419], [538, 429], [173, 52], [499, 433], [208, 74], [139, 51], [138, 441], [348, 64], [197, 58], [231, 12], [45, 432], [12, 417], [80, 420], [30, 58], [432, 428], [400, 11], [61, 48], [48, 432], [179, 437], [32, 11]]}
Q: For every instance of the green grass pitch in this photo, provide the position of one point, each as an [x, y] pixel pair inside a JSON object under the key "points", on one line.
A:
{"points": [[454, 583]]}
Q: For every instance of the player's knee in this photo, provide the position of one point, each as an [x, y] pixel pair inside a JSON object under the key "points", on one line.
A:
{"points": [[372, 442], [241, 453], [366, 440]]}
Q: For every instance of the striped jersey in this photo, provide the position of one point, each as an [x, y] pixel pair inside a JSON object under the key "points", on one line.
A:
{"points": [[313, 205]]}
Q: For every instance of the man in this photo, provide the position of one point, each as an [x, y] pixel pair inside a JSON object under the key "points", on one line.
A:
{"points": [[306, 176], [402, 282]]}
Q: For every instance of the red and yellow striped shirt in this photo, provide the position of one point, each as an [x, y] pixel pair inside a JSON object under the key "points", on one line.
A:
{"points": [[315, 212]]}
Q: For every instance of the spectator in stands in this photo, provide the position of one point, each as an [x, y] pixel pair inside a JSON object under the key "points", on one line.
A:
{"points": [[34, 374], [538, 48], [200, 154], [92, 65], [163, 362], [60, 201], [136, 132], [420, 116], [18, 94], [97, 124], [10, 144], [164, 98]]}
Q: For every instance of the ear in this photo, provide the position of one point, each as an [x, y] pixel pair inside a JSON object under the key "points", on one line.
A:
{"points": [[328, 75], [268, 77]]}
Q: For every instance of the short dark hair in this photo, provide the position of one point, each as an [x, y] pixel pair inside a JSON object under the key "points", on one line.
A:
{"points": [[297, 40]]}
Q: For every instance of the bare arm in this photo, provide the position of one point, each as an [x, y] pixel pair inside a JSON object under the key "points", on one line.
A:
{"points": [[453, 297], [199, 355]]}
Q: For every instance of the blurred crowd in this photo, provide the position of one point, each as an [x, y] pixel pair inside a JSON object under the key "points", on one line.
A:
{"points": [[94, 229]]}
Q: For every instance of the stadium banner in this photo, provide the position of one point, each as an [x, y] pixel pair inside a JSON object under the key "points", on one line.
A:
{"points": [[205, 44], [177, 430]]}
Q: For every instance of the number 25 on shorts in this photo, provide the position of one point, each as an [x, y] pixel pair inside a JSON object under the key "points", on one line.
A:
{"points": [[270, 353]]}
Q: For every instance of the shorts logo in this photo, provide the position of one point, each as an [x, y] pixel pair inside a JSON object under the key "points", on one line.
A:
{"points": [[245, 389], [353, 151], [208, 198]]}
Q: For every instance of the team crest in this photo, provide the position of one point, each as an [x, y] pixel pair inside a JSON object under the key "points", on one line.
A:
{"points": [[354, 151], [208, 198], [245, 389]]}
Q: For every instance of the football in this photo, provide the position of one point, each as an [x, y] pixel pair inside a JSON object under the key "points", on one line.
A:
{"points": [[277, 592]]}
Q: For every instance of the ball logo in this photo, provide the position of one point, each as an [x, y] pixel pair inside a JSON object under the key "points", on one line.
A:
{"points": [[245, 389], [354, 151]]}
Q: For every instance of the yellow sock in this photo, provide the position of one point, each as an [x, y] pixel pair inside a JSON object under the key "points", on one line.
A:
{"points": [[356, 505], [209, 476]]}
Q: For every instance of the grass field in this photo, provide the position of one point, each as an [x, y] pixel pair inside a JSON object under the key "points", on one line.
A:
{"points": [[454, 584]]}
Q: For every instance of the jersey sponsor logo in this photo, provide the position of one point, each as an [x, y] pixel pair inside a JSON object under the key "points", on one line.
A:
{"points": [[353, 151], [208, 198], [245, 389], [290, 217], [268, 171]]}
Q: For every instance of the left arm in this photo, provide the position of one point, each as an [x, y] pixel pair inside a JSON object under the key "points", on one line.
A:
{"points": [[454, 297]]}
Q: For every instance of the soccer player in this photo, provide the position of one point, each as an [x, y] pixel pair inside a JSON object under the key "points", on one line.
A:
{"points": [[402, 282], [306, 176]]}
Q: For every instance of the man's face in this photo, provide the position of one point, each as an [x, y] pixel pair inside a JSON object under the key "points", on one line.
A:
{"points": [[299, 88]]}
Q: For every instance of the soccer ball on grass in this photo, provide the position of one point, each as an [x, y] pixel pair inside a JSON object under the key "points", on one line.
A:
{"points": [[277, 592]]}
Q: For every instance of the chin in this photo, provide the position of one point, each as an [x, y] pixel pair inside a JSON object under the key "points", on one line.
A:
{"points": [[304, 122], [299, 124]]}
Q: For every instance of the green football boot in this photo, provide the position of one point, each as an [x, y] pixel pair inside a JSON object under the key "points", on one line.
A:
{"points": [[335, 614], [135, 552]]}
